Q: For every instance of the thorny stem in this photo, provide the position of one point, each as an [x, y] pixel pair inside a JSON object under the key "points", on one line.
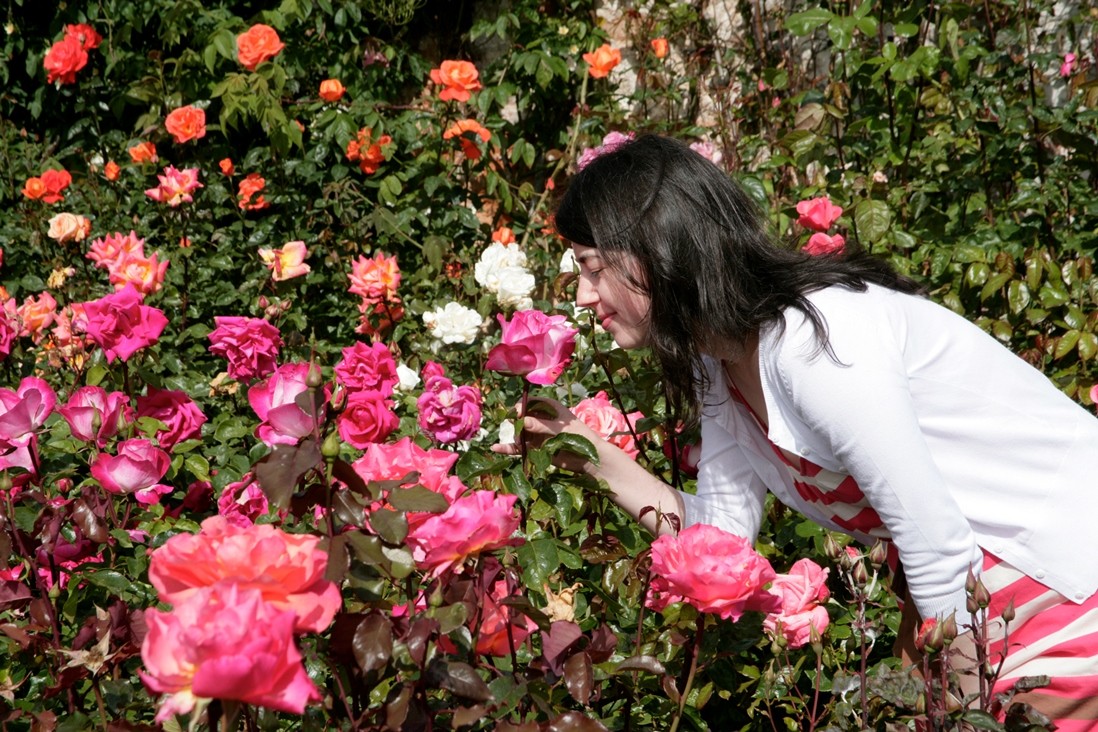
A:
{"points": [[694, 653]]}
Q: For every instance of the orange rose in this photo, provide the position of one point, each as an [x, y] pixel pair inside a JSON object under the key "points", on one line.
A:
{"points": [[34, 188], [460, 78], [602, 60], [186, 123], [660, 47], [459, 128], [504, 235], [111, 170], [226, 166], [257, 44], [143, 152], [252, 184], [331, 90], [368, 153]]}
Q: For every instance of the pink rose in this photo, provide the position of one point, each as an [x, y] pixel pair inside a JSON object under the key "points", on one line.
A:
{"points": [[250, 345], [367, 367], [479, 522], [713, 570], [820, 244], [608, 422], [818, 213], [96, 415], [801, 592], [24, 410], [375, 278], [1067, 68], [9, 331], [288, 569], [242, 502], [449, 413], [274, 400], [121, 325], [175, 409], [287, 262], [144, 273], [176, 186], [224, 642], [65, 555], [36, 314], [535, 345], [385, 462], [367, 418], [137, 469], [112, 247]]}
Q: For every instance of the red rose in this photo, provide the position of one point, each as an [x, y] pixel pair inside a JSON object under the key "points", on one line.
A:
{"points": [[64, 59]]}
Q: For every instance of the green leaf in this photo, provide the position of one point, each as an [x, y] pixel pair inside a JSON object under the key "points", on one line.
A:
{"points": [[841, 31], [805, 22], [1067, 342], [572, 443], [872, 219], [418, 498], [109, 579], [538, 559], [1088, 346], [391, 526]]}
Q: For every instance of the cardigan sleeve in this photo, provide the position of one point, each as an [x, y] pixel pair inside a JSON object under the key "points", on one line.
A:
{"points": [[860, 404], [729, 493]]}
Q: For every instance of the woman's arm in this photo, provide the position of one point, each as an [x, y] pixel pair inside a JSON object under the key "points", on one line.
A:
{"points": [[631, 486]]}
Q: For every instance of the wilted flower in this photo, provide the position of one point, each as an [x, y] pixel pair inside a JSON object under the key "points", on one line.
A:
{"points": [[287, 262]]}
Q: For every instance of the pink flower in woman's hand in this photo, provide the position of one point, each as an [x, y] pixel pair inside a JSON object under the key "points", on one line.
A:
{"points": [[367, 418], [818, 214], [250, 345], [287, 262], [288, 569], [96, 415], [608, 422], [479, 522], [801, 592], [449, 413], [713, 570], [535, 345], [284, 422], [137, 468], [367, 367], [175, 409], [176, 186], [820, 244], [224, 642], [121, 325]]}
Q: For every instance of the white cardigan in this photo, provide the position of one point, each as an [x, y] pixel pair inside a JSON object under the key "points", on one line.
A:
{"points": [[956, 442]]}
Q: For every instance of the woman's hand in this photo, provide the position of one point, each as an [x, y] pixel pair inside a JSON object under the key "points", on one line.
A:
{"points": [[545, 418]]}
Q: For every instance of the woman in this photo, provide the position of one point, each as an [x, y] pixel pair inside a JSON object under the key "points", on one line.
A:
{"points": [[830, 383]]}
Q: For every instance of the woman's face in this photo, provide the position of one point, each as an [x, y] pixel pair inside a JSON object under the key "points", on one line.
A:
{"points": [[620, 307]]}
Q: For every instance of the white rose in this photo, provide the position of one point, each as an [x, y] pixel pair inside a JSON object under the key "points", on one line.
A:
{"points": [[68, 227], [507, 432], [515, 286], [494, 258], [453, 323], [568, 264], [407, 379]]}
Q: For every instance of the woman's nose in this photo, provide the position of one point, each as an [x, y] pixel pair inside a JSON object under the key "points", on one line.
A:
{"points": [[586, 295]]}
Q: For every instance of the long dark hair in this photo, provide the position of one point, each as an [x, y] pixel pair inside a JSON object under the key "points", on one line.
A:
{"points": [[707, 260]]}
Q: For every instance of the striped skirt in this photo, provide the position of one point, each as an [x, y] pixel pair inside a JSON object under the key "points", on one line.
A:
{"points": [[1049, 636]]}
